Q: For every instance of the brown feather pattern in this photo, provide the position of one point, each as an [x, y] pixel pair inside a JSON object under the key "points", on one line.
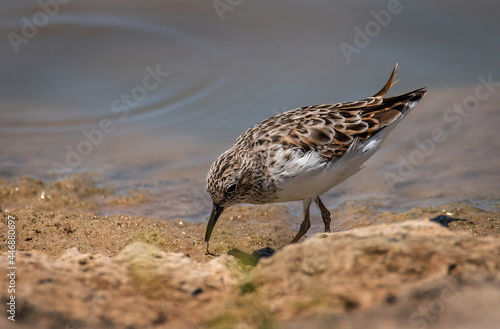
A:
{"points": [[329, 129]]}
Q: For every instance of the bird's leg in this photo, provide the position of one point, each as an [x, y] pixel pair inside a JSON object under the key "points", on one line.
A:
{"points": [[306, 223], [325, 214]]}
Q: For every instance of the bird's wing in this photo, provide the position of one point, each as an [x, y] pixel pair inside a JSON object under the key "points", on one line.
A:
{"points": [[330, 129]]}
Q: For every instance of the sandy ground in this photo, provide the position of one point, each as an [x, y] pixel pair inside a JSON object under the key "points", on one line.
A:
{"points": [[77, 269]]}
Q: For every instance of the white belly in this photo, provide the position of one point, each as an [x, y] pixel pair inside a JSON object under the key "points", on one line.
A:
{"points": [[307, 176]]}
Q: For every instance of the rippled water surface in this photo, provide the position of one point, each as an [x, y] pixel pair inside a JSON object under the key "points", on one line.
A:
{"points": [[147, 94]]}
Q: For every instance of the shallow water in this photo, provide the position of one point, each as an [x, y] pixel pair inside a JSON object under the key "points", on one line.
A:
{"points": [[148, 94]]}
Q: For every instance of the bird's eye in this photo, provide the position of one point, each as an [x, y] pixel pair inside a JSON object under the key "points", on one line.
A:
{"points": [[231, 188]]}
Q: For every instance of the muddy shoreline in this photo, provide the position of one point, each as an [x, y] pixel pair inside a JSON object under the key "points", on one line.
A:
{"points": [[77, 269]]}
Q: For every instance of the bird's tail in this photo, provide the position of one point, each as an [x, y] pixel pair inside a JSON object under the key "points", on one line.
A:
{"points": [[388, 84]]}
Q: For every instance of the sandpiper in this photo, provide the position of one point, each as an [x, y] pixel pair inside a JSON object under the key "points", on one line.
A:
{"points": [[302, 153]]}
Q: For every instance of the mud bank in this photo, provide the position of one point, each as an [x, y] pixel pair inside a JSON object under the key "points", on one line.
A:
{"points": [[77, 269]]}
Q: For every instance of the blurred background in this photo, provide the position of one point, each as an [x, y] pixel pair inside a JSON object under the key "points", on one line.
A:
{"points": [[147, 94]]}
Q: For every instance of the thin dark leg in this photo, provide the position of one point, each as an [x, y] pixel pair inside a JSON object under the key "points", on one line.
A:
{"points": [[325, 214], [306, 223]]}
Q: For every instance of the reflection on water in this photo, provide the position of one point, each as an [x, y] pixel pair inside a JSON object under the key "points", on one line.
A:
{"points": [[149, 94]]}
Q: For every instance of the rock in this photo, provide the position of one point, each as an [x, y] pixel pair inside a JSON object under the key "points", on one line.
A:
{"points": [[363, 268], [149, 267], [140, 287], [446, 220], [264, 252]]}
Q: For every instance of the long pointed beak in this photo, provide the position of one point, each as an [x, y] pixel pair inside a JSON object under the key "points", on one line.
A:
{"points": [[214, 216]]}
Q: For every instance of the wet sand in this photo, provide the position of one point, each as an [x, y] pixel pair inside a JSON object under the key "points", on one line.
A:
{"points": [[80, 269]]}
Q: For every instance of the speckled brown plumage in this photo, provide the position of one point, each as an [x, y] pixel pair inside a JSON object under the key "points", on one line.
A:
{"points": [[329, 129]]}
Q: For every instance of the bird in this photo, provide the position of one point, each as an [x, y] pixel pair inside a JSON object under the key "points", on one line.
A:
{"points": [[302, 153]]}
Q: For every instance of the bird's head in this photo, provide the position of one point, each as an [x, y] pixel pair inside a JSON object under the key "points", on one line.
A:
{"points": [[229, 182]]}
